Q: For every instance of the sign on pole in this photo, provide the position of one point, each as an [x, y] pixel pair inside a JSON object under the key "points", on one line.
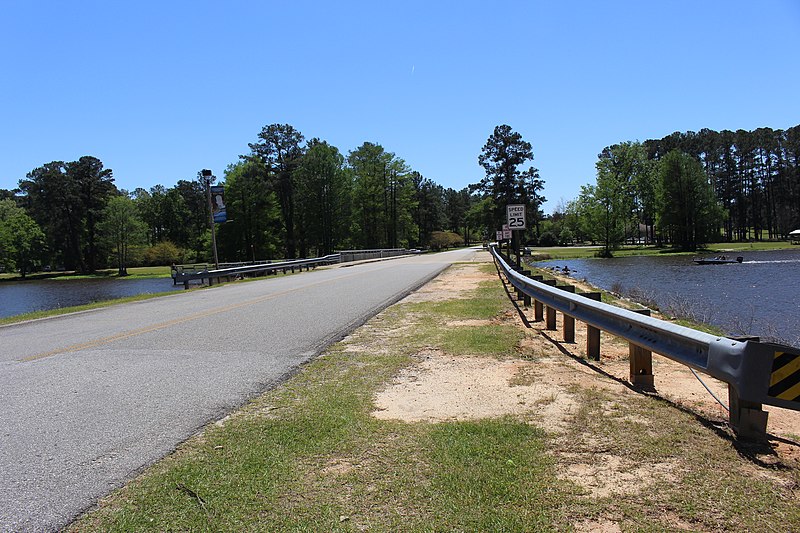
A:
{"points": [[506, 233], [516, 216], [499, 235], [218, 209]]}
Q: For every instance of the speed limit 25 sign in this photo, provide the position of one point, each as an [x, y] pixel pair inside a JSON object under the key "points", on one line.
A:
{"points": [[516, 216]]}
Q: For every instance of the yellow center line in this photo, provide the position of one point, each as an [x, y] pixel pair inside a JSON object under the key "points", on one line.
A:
{"points": [[155, 327]]}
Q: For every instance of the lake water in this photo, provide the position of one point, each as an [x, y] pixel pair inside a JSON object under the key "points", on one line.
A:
{"points": [[760, 296], [27, 296]]}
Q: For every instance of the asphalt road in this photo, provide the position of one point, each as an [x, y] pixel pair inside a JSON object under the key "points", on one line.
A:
{"points": [[88, 400]]}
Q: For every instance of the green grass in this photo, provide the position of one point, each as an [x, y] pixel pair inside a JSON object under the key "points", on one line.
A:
{"points": [[133, 273], [581, 252], [695, 473], [492, 340]]}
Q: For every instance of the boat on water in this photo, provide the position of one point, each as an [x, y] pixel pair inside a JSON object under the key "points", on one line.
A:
{"points": [[719, 260]]}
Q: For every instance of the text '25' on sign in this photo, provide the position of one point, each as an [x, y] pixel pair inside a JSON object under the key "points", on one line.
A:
{"points": [[516, 216]]}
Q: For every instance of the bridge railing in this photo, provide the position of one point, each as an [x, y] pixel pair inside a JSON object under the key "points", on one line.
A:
{"points": [[203, 272], [360, 255], [756, 373], [186, 275]]}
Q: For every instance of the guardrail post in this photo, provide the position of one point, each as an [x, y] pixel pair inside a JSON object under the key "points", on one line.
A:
{"points": [[747, 418], [592, 333], [526, 299], [538, 308], [550, 312], [641, 361], [569, 322]]}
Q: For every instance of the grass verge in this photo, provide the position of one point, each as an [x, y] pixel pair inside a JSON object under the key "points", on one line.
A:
{"points": [[133, 273], [581, 252]]}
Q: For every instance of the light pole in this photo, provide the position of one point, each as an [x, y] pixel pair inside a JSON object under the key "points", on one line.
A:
{"points": [[207, 178]]}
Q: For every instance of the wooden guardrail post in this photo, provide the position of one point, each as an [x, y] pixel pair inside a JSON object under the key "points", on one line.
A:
{"points": [[526, 299], [538, 309], [748, 419], [550, 312], [569, 322], [641, 361], [592, 333], [517, 290]]}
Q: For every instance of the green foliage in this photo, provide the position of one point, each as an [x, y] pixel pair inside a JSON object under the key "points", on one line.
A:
{"points": [[566, 237], [279, 150], [283, 198], [505, 183], [122, 228], [383, 199], [428, 211], [441, 240], [21, 239], [164, 253], [66, 200], [323, 189], [254, 230], [688, 211], [548, 239]]}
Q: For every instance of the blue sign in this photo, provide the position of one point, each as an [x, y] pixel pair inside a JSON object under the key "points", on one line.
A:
{"points": [[219, 211]]}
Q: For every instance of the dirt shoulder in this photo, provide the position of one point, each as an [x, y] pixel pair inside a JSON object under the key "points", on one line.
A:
{"points": [[446, 387], [548, 384]]}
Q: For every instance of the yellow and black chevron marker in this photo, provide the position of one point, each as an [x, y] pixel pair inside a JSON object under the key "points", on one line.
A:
{"points": [[785, 381]]}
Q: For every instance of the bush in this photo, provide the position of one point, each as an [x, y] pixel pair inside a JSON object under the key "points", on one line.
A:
{"points": [[548, 239], [566, 237], [445, 239], [163, 253]]}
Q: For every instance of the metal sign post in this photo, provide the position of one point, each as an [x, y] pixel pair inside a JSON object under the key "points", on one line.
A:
{"points": [[515, 214], [208, 177]]}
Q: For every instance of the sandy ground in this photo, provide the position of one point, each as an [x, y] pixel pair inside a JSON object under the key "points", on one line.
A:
{"points": [[441, 387]]}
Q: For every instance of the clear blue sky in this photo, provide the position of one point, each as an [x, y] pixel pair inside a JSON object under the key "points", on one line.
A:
{"points": [[160, 90]]}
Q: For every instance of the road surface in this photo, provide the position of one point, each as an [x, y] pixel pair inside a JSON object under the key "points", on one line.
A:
{"points": [[88, 400]]}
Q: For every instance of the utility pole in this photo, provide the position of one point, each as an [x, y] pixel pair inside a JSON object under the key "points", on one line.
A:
{"points": [[207, 178]]}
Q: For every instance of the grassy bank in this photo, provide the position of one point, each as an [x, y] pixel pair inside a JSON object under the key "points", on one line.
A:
{"points": [[76, 308], [133, 273], [310, 456], [580, 252]]}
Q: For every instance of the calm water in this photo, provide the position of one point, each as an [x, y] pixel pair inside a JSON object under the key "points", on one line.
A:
{"points": [[760, 296], [24, 297]]}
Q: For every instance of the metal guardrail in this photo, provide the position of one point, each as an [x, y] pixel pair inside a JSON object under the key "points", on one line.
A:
{"points": [[228, 271], [360, 255], [756, 373], [185, 276]]}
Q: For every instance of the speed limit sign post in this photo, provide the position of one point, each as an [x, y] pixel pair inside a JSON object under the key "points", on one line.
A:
{"points": [[515, 214]]}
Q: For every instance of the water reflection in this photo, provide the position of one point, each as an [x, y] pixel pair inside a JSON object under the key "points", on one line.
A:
{"points": [[760, 296], [24, 297]]}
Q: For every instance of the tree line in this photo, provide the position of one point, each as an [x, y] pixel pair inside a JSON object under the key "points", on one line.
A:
{"points": [[688, 189], [286, 197]]}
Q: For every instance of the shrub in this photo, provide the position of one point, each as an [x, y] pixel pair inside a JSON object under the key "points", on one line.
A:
{"points": [[163, 253], [445, 239], [566, 237], [548, 239]]}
